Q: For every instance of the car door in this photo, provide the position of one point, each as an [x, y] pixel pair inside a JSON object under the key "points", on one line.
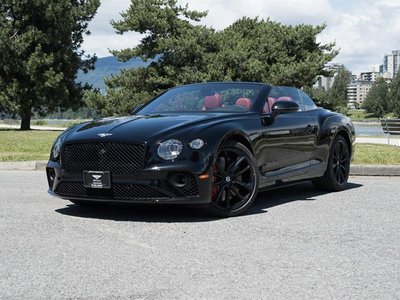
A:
{"points": [[288, 139]]}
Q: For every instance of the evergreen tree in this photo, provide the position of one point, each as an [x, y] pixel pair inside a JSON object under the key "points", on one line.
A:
{"points": [[184, 52], [40, 54], [338, 92], [376, 101], [320, 97], [394, 96]]}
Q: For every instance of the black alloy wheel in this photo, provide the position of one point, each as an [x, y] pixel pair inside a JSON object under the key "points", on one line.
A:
{"points": [[338, 168], [234, 181]]}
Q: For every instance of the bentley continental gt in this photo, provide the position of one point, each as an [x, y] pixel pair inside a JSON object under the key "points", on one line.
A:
{"points": [[212, 144]]}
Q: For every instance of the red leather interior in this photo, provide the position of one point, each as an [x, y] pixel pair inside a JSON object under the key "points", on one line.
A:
{"points": [[268, 106], [212, 102], [285, 98], [245, 102]]}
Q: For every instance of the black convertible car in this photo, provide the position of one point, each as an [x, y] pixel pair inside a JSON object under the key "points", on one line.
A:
{"points": [[215, 144]]}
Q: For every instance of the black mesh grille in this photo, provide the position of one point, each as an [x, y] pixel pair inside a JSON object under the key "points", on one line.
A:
{"points": [[115, 157], [128, 191], [118, 192]]}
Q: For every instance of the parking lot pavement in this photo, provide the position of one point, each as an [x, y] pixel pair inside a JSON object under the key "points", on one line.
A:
{"points": [[294, 243]]}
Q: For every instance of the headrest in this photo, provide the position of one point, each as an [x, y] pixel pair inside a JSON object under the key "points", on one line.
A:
{"points": [[285, 98], [268, 104], [214, 101], [245, 102]]}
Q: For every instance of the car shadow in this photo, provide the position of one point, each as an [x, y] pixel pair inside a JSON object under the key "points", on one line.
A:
{"points": [[299, 192], [184, 213]]}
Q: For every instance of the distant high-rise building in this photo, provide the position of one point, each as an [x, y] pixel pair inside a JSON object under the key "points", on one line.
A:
{"points": [[391, 63], [359, 87], [370, 76], [327, 82], [357, 92]]}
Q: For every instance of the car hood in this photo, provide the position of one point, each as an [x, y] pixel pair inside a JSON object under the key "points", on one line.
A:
{"points": [[138, 129]]}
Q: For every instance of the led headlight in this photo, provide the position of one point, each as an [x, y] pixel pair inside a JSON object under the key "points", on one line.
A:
{"points": [[56, 148], [170, 149], [196, 144], [55, 152]]}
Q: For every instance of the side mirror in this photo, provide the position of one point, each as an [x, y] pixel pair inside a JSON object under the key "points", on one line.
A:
{"points": [[136, 109], [281, 107]]}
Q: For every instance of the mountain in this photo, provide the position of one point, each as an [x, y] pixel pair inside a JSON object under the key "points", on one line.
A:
{"points": [[105, 67]]}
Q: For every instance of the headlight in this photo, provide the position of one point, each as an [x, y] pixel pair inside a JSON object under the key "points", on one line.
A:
{"points": [[170, 149], [196, 144], [55, 152], [56, 148]]}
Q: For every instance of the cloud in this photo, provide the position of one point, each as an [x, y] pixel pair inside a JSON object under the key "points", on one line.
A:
{"points": [[365, 34], [103, 37], [364, 31]]}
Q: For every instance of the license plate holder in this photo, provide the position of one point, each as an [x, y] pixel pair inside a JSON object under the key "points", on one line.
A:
{"points": [[97, 179]]}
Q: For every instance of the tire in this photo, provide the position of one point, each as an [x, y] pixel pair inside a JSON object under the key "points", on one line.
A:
{"points": [[234, 182], [338, 168]]}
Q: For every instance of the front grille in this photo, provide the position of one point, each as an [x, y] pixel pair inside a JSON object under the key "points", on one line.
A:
{"points": [[118, 192], [127, 191], [118, 158]]}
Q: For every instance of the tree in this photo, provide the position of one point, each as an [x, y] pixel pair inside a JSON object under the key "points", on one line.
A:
{"points": [[182, 52], [394, 96], [338, 92], [320, 97], [40, 54], [376, 101]]}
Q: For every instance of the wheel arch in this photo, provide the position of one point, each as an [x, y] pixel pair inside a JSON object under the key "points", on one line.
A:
{"points": [[342, 132], [237, 136]]}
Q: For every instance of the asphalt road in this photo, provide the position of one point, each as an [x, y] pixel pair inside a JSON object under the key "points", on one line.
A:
{"points": [[295, 243]]}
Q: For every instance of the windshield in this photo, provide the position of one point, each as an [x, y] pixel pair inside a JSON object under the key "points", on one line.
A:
{"points": [[226, 97]]}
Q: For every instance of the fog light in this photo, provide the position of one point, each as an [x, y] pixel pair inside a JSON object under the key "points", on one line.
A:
{"points": [[179, 180], [51, 177]]}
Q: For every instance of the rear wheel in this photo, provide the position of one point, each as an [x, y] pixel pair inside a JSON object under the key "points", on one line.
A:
{"points": [[234, 181], [337, 172]]}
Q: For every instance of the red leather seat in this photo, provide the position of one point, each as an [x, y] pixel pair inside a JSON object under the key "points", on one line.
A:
{"points": [[212, 102], [245, 102], [285, 98], [269, 103]]}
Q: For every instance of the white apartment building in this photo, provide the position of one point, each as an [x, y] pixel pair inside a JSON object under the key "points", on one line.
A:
{"points": [[327, 82], [391, 63], [369, 76], [357, 91]]}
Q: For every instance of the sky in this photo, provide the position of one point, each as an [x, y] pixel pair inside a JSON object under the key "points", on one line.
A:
{"points": [[363, 30]]}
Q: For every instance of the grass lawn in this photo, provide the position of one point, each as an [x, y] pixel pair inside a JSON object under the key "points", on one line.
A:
{"points": [[376, 154], [362, 115], [18, 145]]}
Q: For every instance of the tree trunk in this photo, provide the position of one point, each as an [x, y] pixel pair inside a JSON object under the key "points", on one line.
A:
{"points": [[26, 120]]}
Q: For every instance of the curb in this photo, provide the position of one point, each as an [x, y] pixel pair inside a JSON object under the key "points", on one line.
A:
{"points": [[375, 170], [23, 165], [355, 170]]}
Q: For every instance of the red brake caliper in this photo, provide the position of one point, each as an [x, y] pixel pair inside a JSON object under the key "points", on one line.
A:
{"points": [[215, 189]]}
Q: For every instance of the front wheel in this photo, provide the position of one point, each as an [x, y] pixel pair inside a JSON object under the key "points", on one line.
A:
{"points": [[234, 181], [338, 168]]}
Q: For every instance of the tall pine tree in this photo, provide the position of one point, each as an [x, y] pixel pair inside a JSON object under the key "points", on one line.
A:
{"points": [[394, 96], [40, 54], [182, 52], [377, 98]]}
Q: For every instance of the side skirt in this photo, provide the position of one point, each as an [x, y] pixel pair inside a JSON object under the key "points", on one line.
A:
{"points": [[292, 175]]}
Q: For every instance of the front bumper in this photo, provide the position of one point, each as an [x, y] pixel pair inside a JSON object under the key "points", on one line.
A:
{"points": [[153, 185]]}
